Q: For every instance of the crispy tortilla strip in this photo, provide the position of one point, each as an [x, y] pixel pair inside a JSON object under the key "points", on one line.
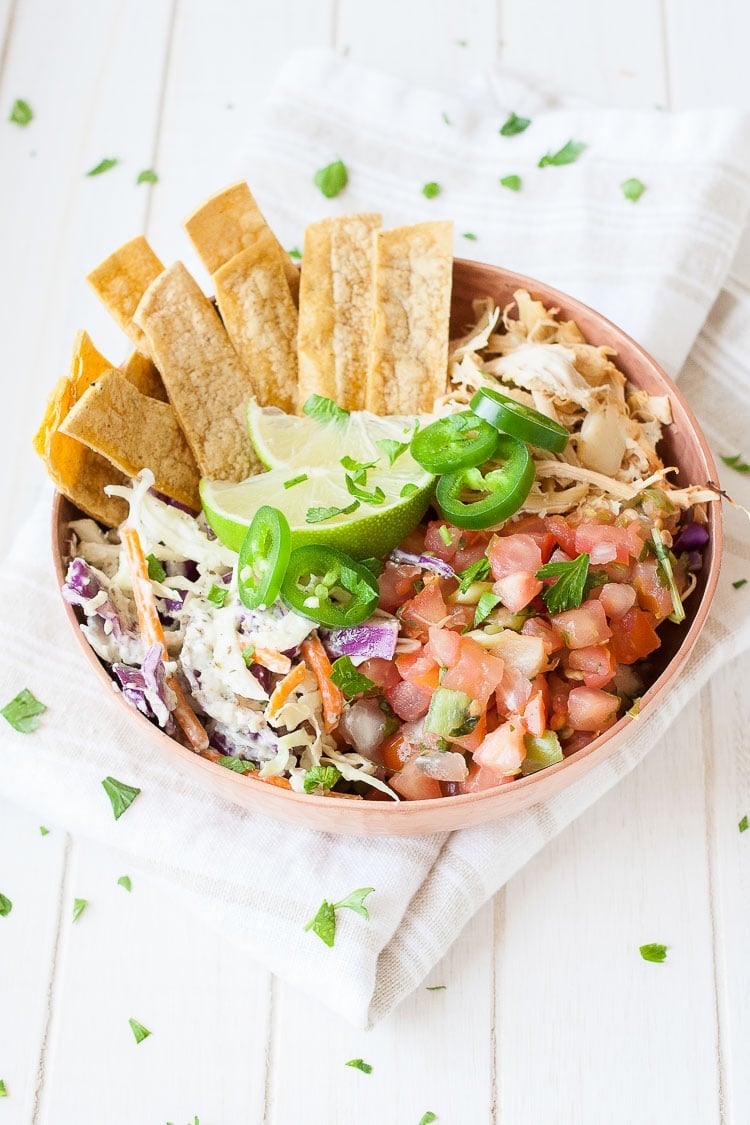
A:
{"points": [[76, 471], [335, 309], [122, 279], [412, 297], [135, 432], [261, 320], [207, 384], [141, 372], [229, 222]]}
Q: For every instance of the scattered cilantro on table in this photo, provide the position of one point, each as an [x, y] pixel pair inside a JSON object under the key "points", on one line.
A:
{"points": [[103, 166], [654, 952], [147, 176], [513, 183], [5, 906], [22, 712], [139, 1031], [431, 190], [124, 881], [568, 154], [633, 189], [332, 179], [21, 113], [79, 905], [324, 922], [735, 462], [514, 125], [360, 1064], [743, 824], [120, 795]]}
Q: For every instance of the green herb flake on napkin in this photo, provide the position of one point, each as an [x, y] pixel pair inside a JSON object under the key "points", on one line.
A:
{"points": [[120, 794], [139, 1031], [43, 831], [124, 881], [295, 254], [428, 1118], [568, 154], [360, 1064], [332, 179], [513, 183], [743, 825], [22, 712], [5, 906], [324, 922], [654, 952], [21, 113], [3, 1089], [633, 189], [514, 125], [431, 190], [103, 166], [735, 462]]}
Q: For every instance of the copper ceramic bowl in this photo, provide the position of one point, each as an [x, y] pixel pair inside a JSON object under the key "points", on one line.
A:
{"points": [[683, 445]]}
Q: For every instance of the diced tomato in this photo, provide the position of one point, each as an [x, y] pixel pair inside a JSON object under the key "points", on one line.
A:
{"points": [[634, 636], [535, 714], [503, 751], [608, 542], [577, 742], [511, 554], [539, 627], [536, 527], [460, 616], [617, 598], [409, 701], [513, 692], [517, 590], [472, 546], [396, 751], [563, 532], [427, 608], [444, 646], [584, 626], [436, 545], [596, 662], [480, 778], [414, 785], [591, 709], [383, 673], [419, 668], [653, 593], [396, 584], [471, 741], [559, 690], [476, 673]]}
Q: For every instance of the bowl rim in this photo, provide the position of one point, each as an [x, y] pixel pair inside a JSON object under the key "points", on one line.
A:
{"points": [[395, 811]]}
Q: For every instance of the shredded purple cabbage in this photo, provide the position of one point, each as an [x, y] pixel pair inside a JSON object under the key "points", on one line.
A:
{"points": [[257, 746], [376, 637], [187, 569], [263, 676], [80, 586], [172, 503], [427, 562], [695, 561], [146, 687], [692, 537]]}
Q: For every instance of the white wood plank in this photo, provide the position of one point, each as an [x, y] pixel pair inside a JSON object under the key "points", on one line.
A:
{"points": [[437, 43], [612, 54], [432, 1053], [31, 876], [609, 1035], [6, 28], [707, 64], [55, 223], [224, 58], [141, 955]]}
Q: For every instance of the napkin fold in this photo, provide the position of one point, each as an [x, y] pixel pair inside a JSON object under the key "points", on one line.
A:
{"points": [[656, 267]]}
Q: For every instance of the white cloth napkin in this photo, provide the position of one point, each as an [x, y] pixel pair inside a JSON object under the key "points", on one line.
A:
{"points": [[656, 267]]}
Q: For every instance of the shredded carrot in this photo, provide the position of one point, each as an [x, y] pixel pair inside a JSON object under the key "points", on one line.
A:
{"points": [[331, 695], [153, 633], [283, 690], [281, 782], [269, 658]]}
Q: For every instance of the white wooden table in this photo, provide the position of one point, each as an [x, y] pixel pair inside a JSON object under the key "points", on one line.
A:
{"points": [[549, 1015]]}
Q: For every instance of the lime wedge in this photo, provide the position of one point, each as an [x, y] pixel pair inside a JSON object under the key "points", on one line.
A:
{"points": [[287, 439], [316, 505]]}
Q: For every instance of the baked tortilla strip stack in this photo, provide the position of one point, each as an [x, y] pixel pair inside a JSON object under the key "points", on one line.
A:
{"points": [[76, 471], [261, 320], [206, 382], [335, 309], [412, 297], [121, 280], [229, 222], [134, 432], [140, 371]]}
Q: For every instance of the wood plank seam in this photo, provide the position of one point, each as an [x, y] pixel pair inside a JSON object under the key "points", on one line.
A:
{"points": [[8, 35], [498, 927], [270, 1054], [166, 66]]}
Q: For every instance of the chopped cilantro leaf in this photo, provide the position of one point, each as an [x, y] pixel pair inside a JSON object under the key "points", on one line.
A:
{"points": [[156, 571], [295, 253], [321, 777], [665, 565], [513, 183], [79, 905], [103, 166], [124, 881], [462, 42], [248, 655], [348, 679], [324, 922], [469, 236], [332, 179], [485, 606], [445, 535], [514, 125], [431, 190], [735, 462], [743, 825], [360, 1064], [632, 189], [5, 906], [318, 515], [357, 468], [22, 712], [43, 831], [324, 409], [354, 489], [739, 583], [21, 113], [567, 592], [568, 154], [217, 595], [477, 572], [436, 987], [408, 490], [120, 794], [139, 1031], [446, 118], [428, 1118], [654, 952], [355, 902], [392, 449], [147, 176], [295, 480], [237, 765], [3, 1089]]}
